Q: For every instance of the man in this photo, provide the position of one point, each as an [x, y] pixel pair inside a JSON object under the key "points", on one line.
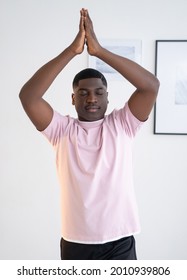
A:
{"points": [[94, 152]]}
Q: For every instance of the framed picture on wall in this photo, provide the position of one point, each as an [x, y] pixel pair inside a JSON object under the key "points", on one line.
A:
{"points": [[170, 112], [131, 49]]}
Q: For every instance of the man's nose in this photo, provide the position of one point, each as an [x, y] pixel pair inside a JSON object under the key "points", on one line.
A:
{"points": [[92, 98]]}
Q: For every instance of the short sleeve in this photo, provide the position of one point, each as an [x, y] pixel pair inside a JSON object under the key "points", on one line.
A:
{"points": [[127, 120], [57, 127]]}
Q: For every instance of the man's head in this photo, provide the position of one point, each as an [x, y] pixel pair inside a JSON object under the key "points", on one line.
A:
{"points": [[90, 95]]}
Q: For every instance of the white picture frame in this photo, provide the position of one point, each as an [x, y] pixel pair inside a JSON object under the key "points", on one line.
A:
{"points": [[170, 112]]}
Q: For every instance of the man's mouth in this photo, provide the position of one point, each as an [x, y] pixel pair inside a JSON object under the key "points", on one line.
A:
{"points": [[92, 109]]}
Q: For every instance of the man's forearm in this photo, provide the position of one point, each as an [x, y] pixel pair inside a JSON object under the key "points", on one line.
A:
{"points": [[134, 73], [43, 78]]}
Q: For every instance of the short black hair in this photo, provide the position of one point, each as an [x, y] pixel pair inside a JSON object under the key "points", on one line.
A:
{"points": [[88, 73]]}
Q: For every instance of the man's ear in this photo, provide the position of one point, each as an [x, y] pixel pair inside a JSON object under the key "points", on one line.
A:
{"points": [[73, 98]]}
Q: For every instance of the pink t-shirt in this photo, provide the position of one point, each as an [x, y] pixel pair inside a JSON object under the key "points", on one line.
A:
{"points": [[94, 165]]}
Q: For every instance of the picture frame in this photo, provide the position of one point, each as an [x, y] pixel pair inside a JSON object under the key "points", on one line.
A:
{"points": [[129, 48], [170, 111]]}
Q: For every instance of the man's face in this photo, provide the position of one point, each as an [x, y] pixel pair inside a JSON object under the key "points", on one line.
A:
{"points": [[90, 98]]}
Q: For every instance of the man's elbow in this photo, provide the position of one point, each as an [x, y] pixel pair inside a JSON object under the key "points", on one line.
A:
{"points": [[156, 85], [22, 94], [153, 86]]}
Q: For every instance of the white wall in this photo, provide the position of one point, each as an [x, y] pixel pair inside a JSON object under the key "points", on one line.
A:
{"points": [[32, 32]]}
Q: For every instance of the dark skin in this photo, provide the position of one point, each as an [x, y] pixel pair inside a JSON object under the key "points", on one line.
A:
{"points": [[90, 99], [140, 102]]}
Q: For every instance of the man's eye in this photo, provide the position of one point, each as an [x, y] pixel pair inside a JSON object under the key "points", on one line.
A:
{"points": [[83, 92], [100, 92]]}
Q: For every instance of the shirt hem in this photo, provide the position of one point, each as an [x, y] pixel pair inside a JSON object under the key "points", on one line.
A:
{"points": [[100, 241]]}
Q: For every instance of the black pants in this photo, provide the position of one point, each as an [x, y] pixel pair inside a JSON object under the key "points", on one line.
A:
{"points": [[122, 249]]}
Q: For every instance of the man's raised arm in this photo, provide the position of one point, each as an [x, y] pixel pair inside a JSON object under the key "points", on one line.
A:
{"points": [[142, 100], [38, 110]]}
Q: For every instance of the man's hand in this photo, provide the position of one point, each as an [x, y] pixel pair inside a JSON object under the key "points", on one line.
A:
{"points": [[78, 44], [92, 43]]}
